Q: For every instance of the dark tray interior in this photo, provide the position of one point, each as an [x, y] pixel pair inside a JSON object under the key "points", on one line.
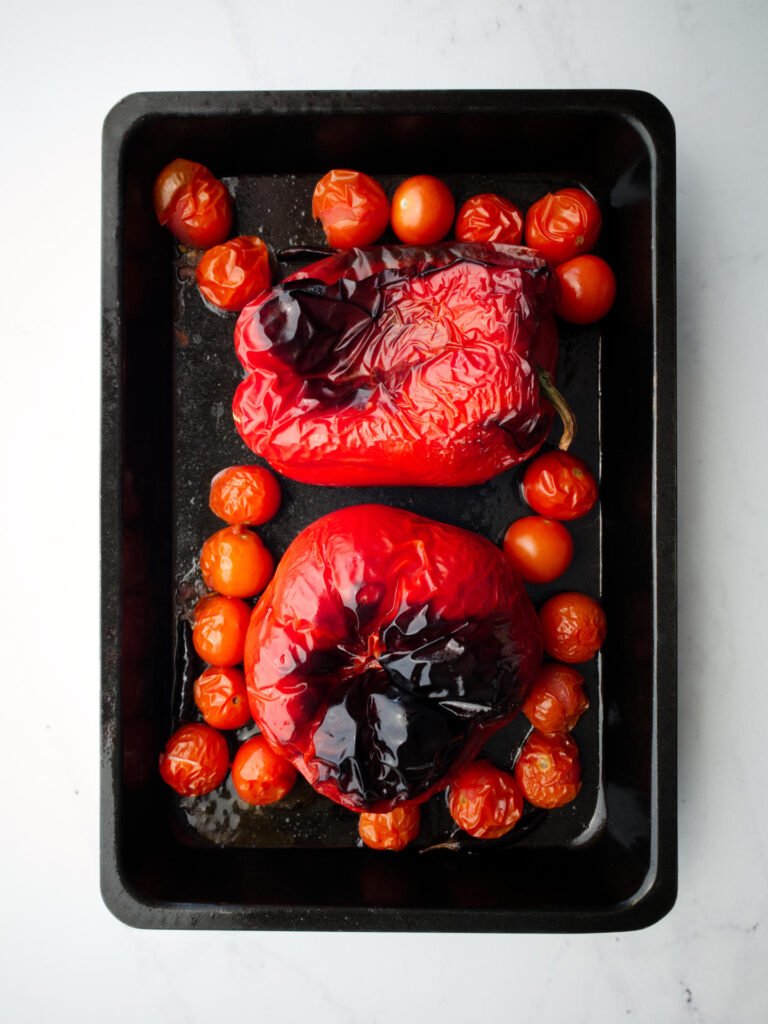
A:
{"points": [[170, 371]]}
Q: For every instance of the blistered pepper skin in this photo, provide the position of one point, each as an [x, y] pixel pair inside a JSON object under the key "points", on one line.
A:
{"points": [[385, 651], [400, 365]]}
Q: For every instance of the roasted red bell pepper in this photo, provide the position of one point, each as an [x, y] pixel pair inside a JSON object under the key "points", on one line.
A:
{"points": [[385, 651], [398, 365]]}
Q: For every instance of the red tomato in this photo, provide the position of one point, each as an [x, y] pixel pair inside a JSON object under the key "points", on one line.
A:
{"points": [[353, 208], [244, 495], [193, 204], [489, 218], [587, 289], [221, 698], [556, 701], [560, 486], [393, 830], [232, 274], [563, 224], [548, 770], [572, 627], [422, 210], [540, 549], [195, 760], [234, 562], [220, 625], [259, 775], [484, 801]]}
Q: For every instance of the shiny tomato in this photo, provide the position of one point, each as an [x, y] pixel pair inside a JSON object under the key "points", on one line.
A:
{"points": [[489, 218], [560, 486], [221, 698], [244, 495], [220, 625], [548, 770], [195, 760], [540, 549], [259, 775], [587, 289], [193, 204], [485, 801], [352, 208], [234, 562], [572, 627], [563, 224], [232, 274], [393, 830], [422, 210], [556, 701]]}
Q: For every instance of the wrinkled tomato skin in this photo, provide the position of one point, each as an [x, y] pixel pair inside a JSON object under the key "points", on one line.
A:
{"points": [[485, 801], [489, 218], [195, 760], [234, 562], [244, 495], [540, 549], [385, 651], [393, 830], [259, 775], [572, 626], [422, 210], [560, 486], [221, 698], [563, 224], [587, 289], [556, 701], [193, 204], [231, 275], [219, 630], [548, 770], [352, 208]]}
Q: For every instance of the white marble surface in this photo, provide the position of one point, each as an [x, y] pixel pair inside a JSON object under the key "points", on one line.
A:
{"points": [[62, 956]]}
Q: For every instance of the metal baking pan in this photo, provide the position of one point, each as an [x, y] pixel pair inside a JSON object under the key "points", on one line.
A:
{"points": [[609, 860]]}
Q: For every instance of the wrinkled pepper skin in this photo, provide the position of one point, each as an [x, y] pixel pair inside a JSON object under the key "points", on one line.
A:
{"points": [[385, 651], [399, 365]]}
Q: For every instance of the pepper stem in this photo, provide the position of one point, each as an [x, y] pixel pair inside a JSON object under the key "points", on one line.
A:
{"points": [[562, 409]]}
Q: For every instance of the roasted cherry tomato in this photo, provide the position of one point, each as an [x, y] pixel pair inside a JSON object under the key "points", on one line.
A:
{"points": [[556, 701], [234, 562], [193, 204], [393, 830], [259, 775], [232, 274], [195, 760], [353, 208], [572, 627], [422, 210], [540, 549], [548, 770], [221, 698], [560, 486], [220, 625], [587, 289], [244, 495], [485, 801], [563, 224], [489, 218]]}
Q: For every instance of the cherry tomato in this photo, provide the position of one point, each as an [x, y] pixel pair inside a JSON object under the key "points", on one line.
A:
{"points": [[556, 701], [195, 760], [540, 549], [221, 698], [587, 289], [234, 562], [489, 218], [563, 224], [572, 627], [244, 495], [232, 274], [548, 770], [193, 204], [353, 208], [560, 486], [220, 625], [259, 775], [391, 831], [484, 801], [422, 210]]}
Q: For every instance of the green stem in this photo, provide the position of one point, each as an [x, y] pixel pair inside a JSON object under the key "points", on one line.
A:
{"points": [[562, 409]]}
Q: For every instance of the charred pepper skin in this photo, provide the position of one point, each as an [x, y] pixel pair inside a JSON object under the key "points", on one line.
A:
{"points": [[385, 651], [400, 365]]}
